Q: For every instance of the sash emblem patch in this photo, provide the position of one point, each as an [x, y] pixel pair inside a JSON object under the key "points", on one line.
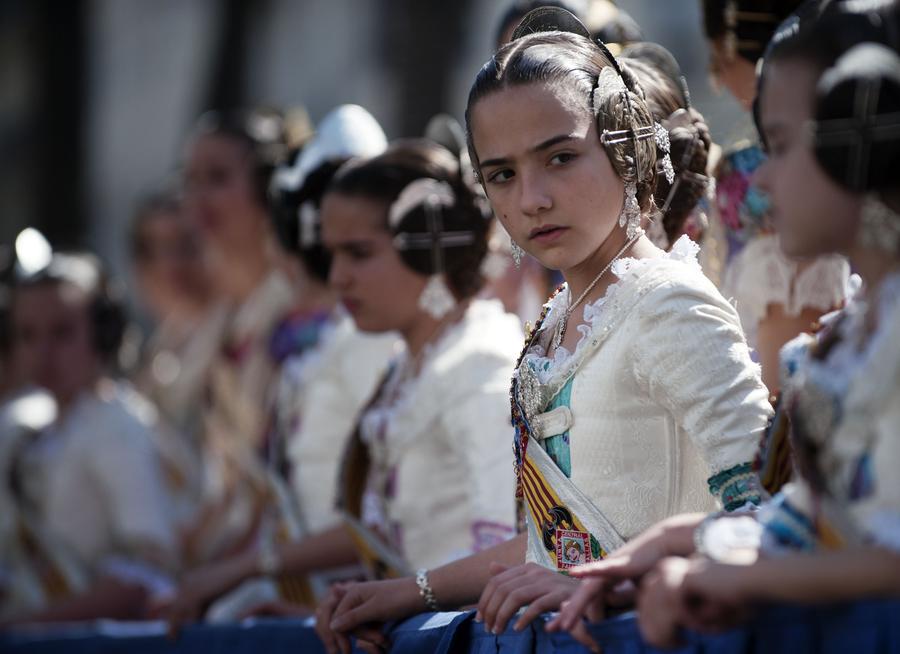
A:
{"points": [[573, 548]]}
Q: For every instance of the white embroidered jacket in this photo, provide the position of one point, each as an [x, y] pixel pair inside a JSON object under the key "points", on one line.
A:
{"points": [[329, 389], [96, 476], [441, 443], [664, 394]]}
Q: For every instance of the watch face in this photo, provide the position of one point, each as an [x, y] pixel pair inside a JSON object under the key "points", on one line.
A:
{"points": [[733, 540]]}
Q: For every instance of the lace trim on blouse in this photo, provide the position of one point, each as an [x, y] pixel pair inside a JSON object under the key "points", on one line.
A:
{"points": [[546, 368]]}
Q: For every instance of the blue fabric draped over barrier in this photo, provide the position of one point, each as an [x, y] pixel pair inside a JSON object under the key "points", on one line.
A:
{"points": [[863, 628]]}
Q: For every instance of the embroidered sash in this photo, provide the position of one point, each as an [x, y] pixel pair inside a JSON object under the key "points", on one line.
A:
{"points": [[294, 588], [380, 561], [279, 516], [565, 528], [47, 572]]}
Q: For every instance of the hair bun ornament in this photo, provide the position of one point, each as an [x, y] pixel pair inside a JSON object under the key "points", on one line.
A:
{"points": [[860, 21], [433, 197], [346, 131], [445, 130], [557, 19], [857, 124], [266, 128], [661, 136], [550, 19], [419, 193], [679, 122]]}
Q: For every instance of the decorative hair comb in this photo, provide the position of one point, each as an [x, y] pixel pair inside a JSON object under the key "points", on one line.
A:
{"points": [[681, 118], [550, 19], [432, 195], [851, 92]]}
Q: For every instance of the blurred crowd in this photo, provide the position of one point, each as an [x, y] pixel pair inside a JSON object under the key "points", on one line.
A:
{"points": [[319, 417]]}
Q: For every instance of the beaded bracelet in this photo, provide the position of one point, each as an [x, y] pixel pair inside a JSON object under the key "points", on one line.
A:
{"points": [[425, 590], [268, 560]]}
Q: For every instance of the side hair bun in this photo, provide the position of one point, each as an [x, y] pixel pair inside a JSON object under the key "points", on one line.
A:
{"points": [[857, 122]]}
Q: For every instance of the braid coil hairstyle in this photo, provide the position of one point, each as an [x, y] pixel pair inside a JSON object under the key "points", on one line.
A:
{"points": [[298, 186], [552, 46], [438, 221], [857, 123], [669, 101], [855, 132]]}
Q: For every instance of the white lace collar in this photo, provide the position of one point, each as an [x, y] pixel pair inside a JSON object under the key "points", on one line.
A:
{"points": [[546, 368], [414, 394]]}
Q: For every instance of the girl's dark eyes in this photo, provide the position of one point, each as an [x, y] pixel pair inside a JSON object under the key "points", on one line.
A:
{"points": [[505, 174], [359, 254], [500, 176], [562, 158], [775, 149], [217, 176]]}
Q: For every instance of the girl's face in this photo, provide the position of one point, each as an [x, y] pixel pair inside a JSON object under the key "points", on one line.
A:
{"points": [[376, 287], [735, 73], [220, 195], [169, 267], [812, 214], [52, 339], [546, 173]]}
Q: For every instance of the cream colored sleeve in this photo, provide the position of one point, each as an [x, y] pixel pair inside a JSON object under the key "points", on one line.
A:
{"points": [[482, 434], [332, 393], [692, 357], [125, 466]]}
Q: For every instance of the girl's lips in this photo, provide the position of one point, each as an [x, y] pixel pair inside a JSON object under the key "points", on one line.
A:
{"points": [[351, 305], [208, 220], [546, 234]]}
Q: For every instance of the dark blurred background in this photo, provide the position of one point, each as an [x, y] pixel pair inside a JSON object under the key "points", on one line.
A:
{"points": [[98, 96]]}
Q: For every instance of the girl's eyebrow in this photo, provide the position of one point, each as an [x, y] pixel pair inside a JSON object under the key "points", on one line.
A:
{"points": [[351, 245], [543, 145]]}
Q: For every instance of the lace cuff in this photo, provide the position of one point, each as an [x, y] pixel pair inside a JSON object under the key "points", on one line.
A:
{"points": [[735, 486]]}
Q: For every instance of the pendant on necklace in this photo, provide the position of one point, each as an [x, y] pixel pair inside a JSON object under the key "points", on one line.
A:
{"points": [[560, 332]]}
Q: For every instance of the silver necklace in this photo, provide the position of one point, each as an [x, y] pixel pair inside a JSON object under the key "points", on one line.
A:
{"points": [[563, 323]]}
